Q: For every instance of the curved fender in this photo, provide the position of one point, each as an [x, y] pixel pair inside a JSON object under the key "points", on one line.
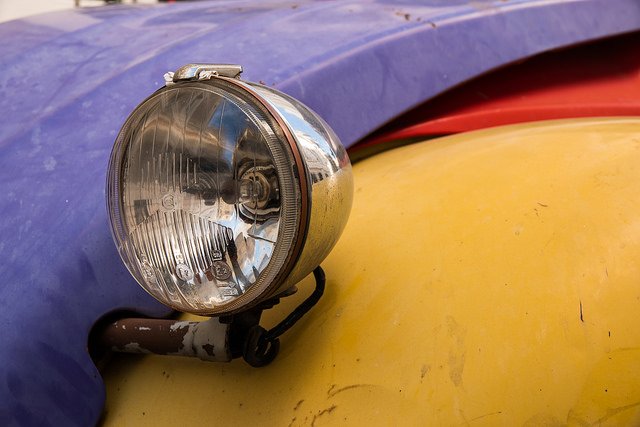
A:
{"points": [[69, 80], [489, 278]]}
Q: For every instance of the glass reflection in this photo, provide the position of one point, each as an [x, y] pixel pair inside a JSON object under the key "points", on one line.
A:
{"points": [[200, 198]]}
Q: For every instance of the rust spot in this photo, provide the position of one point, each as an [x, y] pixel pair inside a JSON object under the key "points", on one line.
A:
{"points": [[406, 16], [424, 371], [321, 413], [208, 348], [433, 24], [330, 389]]}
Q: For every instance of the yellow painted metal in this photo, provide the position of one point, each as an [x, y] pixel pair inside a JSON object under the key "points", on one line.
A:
{"points": [[490, 278]]}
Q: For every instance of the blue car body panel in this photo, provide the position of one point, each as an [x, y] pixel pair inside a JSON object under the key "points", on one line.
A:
{"points": [[70, 79]]}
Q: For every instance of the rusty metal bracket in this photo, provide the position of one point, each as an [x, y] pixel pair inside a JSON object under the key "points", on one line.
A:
{"points": [[215, 340]]}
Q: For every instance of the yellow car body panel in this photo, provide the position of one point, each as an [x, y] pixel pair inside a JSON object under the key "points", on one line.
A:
{"points": [[488, 278]]}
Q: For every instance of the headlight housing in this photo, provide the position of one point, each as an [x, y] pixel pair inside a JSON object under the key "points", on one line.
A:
{"points": [[223, 193]]}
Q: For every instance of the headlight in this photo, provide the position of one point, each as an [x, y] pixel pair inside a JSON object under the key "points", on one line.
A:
{"points": [[223, 193]]}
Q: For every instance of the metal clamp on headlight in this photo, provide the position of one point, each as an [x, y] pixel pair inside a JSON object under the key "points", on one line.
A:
{"points": [[223, 194]]}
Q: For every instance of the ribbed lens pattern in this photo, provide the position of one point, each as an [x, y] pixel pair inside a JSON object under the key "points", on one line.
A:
{"points": [[198, 197]]}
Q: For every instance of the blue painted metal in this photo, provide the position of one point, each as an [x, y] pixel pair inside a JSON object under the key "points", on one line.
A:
{"points": [[69, 79]]}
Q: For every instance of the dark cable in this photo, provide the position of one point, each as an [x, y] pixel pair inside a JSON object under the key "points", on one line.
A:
{"points": [[302, 309]]}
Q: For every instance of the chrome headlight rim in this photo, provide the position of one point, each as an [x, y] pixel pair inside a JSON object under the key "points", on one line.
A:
{"points": [[271, 279]]}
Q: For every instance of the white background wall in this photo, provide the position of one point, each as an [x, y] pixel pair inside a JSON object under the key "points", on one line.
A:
{"points": [[14, 9]]}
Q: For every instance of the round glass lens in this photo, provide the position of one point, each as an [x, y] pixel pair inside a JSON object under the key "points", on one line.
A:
{"points": [[198, 195]]}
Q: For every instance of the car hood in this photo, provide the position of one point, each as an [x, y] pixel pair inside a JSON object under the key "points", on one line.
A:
{"points": [[69, 80]]}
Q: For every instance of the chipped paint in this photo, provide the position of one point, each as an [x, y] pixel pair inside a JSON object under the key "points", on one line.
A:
{"points": [[134, 347], [207, 340], [179, 325]]}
